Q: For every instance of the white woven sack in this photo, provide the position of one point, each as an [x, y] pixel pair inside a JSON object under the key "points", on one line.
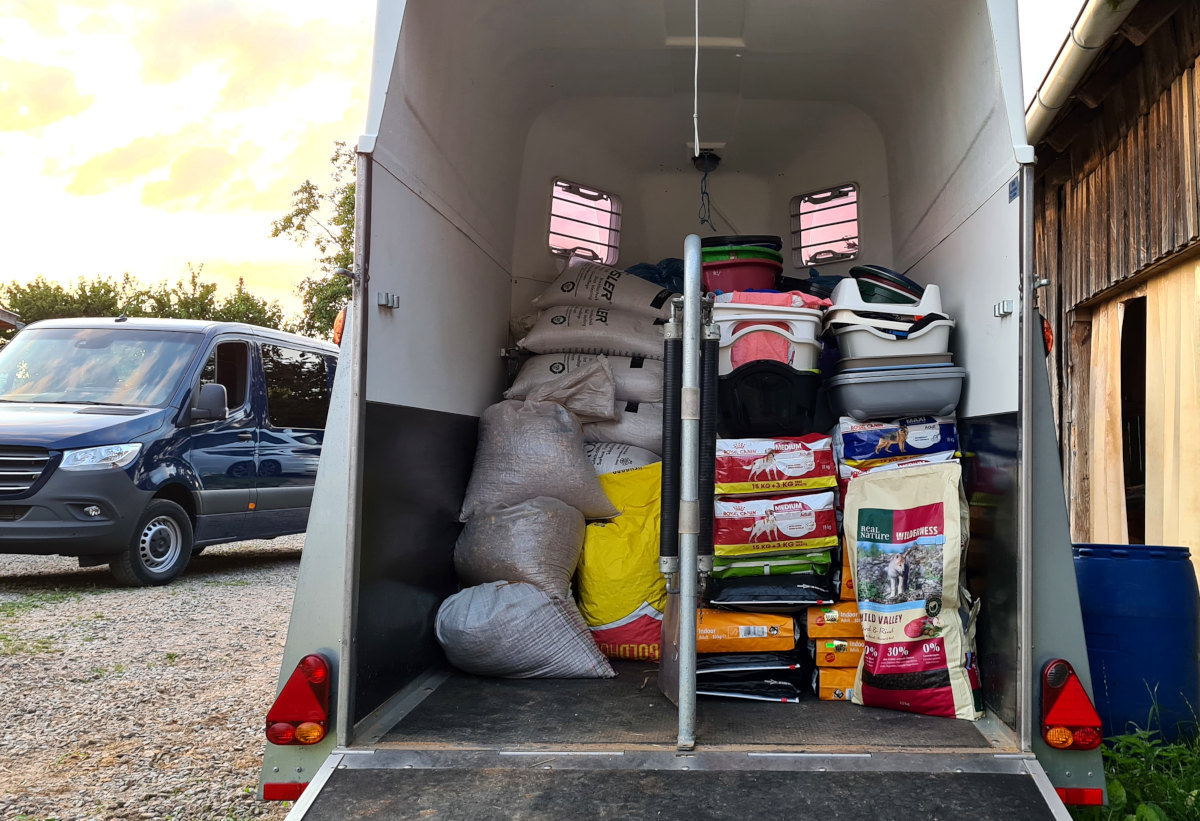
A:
{"points": [[637, 423], [595, 285], [613, 457], [638, 379], [572, 329]]}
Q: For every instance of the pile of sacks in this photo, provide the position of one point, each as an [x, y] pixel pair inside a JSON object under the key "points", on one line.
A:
{"points": [[578, 440]]}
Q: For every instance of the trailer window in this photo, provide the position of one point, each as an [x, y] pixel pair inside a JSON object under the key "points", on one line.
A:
{"points": [[825, 226], [584, 221]]}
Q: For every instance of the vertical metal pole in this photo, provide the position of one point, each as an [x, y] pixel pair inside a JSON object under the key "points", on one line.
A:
{"points": [[689, 519], [1029, 329]]}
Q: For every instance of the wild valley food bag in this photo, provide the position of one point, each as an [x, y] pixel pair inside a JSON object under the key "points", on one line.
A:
{"points": [[907, 534]]}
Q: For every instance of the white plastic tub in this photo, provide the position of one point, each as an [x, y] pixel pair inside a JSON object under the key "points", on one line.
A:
{"points": [[855, 341], [801, 328], [891, 393]]}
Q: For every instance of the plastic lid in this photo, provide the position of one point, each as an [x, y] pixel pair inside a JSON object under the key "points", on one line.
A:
{"points": [[743, 239], [896, 374]]}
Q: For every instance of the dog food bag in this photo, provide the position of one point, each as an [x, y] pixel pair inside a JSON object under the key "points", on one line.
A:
{"points": [[774, 524], [752, 689], [516, 630], [723, 631], [782, 665], [801, 561], [595, 285], [613, 457], [907, 533], [841, 620], [772, 594], [834, 683], [573, 329], [868, 444], [537, 541], [637, 378], [637, 423], [530, 449], [621, 593], [832, 652], [760, 466], [846, 582]]}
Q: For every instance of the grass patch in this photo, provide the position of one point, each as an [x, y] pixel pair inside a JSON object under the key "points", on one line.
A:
{"points": [[1148, 779], [13, 646], [15, 607], [227, 583]]}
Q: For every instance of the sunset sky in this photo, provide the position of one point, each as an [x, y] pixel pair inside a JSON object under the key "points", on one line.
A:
{"points": [[140, 136], [143, 135]]}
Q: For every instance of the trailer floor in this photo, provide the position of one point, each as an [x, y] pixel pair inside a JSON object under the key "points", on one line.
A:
{"points": [[469, 712]]}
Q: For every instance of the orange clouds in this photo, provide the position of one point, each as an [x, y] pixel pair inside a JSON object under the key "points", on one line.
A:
{"points": [[33, 96], [258, 55]]}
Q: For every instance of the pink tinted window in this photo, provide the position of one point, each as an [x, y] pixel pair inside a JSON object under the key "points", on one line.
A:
{"points": [[584, 221], [825, 226]]}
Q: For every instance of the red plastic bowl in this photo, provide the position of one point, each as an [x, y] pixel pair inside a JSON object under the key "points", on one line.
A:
{"points": [[740, 274]]}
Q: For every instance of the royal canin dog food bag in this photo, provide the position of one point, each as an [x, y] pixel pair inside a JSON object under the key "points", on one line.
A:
{"points": [[865, 445], [595, 285], [774, 524], [907, 534], [761, 466]]}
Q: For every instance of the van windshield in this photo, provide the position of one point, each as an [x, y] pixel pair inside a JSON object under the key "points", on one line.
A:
{"points": [[95, 366]]}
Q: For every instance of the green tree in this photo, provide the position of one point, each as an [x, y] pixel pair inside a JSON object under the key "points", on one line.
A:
{"points": [[324, 219]]}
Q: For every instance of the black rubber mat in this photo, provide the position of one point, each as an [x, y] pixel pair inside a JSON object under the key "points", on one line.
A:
{"points": [[525, 794], [467, 711]]}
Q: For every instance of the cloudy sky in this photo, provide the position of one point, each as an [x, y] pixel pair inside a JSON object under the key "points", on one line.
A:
{"points": [[140, 136]]}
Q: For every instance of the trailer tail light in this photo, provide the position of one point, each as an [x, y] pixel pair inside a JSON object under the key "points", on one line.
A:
{"points": [[1069, 721], [300, 714], [1082, 796]]}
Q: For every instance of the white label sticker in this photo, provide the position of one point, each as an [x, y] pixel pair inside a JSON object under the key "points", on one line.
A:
{"points": [[752, 632]]}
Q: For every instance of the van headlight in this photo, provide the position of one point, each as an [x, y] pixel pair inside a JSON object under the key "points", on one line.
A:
{"points": [[105, 456]]}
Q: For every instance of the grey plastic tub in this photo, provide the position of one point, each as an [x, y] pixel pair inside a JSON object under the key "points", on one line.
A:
{"points": [[887, 394]]}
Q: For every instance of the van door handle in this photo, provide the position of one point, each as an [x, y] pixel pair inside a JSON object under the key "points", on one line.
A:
{"points": [[245, 437]]}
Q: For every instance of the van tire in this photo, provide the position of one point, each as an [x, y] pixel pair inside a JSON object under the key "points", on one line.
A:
{"points": [[159, 549]]}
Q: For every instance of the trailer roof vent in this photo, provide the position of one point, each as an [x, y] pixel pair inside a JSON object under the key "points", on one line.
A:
{"points": [[825, 226], [584, 221]]}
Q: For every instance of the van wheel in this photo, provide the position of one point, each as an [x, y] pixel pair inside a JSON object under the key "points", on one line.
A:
{"points": [[160, 548]]}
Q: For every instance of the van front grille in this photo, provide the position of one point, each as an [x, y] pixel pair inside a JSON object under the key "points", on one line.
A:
{"points": [[20, 468]]}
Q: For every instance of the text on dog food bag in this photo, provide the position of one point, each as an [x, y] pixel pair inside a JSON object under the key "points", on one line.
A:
{"points": [[775, 524], [759, 466]]}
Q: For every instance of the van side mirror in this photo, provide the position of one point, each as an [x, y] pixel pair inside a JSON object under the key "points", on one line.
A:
{"points": [[213, 404]]}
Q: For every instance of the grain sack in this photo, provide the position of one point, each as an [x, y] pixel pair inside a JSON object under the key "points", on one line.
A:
{"points": [[621, 593], [637, 378], [774, 524], [595, 285], [723, 631], [588, 392], [515, 630], [868, 444], [841, 620], [567, 329], [530, 449], [637, 423], [537, 541], [613, 457], [907, 534], [786, 463]]}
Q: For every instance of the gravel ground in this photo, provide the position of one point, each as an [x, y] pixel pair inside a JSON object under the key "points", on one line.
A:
{"points": [[141, 703]]}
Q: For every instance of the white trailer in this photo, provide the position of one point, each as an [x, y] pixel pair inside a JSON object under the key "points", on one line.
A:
{"points": [[476, 109]]}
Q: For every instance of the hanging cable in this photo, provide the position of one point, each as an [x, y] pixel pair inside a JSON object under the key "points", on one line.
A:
{"points": [[705, 213]]}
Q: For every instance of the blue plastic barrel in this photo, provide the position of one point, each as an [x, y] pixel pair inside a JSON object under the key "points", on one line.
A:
{"points": [[1141, 614]]}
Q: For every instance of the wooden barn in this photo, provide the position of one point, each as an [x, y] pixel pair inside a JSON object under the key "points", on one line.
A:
{"points": [[1117, 243]]}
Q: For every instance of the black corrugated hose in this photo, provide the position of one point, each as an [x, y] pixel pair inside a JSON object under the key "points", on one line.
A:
{"points": [[668, 543], [707, 472]]}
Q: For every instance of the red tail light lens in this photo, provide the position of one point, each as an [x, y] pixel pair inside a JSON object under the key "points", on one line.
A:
{"points": [[1069, 721], [300, 714]]}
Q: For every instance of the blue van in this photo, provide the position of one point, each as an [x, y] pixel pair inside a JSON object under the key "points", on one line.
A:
{"points": [[138, 442]]}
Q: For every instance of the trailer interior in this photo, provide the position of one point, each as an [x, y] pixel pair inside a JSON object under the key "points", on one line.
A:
{"points": [[476, 110]]}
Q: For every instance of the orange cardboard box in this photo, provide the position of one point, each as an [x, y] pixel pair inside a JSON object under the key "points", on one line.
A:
{"points": [[722, 631], [832, 652], [841, 620], [834, 683]]}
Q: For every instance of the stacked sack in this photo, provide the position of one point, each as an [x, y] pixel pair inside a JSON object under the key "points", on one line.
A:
{"points": [[592, 310], [774, 539], [906, 532], [835, 641]]}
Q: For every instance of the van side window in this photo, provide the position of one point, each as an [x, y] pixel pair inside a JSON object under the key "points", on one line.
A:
{"points": [[584, 221], [825, 226], [297, 387], [228, 365]]}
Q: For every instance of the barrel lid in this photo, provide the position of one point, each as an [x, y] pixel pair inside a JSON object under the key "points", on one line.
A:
{"points": [[1132, 551]]}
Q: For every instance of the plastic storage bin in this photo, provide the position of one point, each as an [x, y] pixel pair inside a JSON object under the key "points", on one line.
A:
{"points": [[858, 341], [766, 398], [1140, 619], [889, 393], [740, 274], [799, 326]]}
